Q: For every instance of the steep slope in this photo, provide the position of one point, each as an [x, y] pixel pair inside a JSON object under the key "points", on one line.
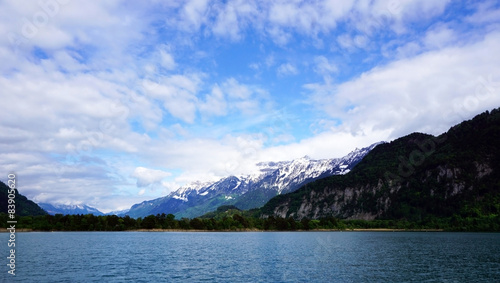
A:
{"points": [[414, 177], [172, 203], [292, 175], [249, 191], [24, 206], [69, 209]]}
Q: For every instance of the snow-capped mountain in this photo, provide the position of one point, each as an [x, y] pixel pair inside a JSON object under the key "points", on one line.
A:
{"points": [[248, 191], [69, 209]]}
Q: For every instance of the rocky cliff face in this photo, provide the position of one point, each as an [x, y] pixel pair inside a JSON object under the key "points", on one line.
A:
{"points": [[414, 177], [368, 202]]}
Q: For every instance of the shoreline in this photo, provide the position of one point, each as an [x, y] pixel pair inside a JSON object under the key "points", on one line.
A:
{"points": [[26, 230]]}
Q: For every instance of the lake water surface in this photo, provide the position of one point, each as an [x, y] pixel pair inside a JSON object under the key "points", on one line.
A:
{"points": [[254, 257]]}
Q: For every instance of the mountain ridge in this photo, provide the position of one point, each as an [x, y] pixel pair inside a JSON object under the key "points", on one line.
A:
{"points": [[248, 191], [23, 206], [64, 209]]}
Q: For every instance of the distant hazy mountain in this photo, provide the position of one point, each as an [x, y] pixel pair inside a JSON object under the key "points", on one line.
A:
{"points": [[122, 212], [249, 191], [417, 177], [69, 209], [24, 206]]}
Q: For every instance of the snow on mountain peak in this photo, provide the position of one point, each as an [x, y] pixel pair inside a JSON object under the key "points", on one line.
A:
{"points": [[196, 186], [284, 175], [253, 189]]}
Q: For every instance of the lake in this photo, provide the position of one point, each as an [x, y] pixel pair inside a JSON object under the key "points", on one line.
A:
{"points": [[254, 257]]}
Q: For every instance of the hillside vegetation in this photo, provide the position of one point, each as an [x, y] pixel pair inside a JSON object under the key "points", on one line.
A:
{"points": [[452, 178], [23, 205]]}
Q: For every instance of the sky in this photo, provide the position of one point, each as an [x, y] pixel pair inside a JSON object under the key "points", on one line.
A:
{"points": [[110, 103]]}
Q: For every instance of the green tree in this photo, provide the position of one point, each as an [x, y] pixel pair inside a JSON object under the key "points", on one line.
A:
{"points": [[130, 223], [170, 222], [113, 223], [197, 224], [184, 224], [149, 222], [241, 220]]}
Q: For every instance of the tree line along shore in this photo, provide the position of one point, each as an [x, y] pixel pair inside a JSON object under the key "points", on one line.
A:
{"points": [[237, 222]]}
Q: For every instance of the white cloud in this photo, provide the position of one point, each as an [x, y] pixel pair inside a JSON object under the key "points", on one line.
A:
{"points": [[278, 35], [146, 176], [270, 60], [254, 66], [244, 99], [232, 17], [308, 17], [324, 66], [65, 24], [281, 19], [205, 158], [236, 90], [68, 61], [287, 69], [345, 41], [409, 49], [439, 37], [178, 93], [193, 14], [486, 12], [336, 142], [167, 61], [283, 13], [427, 93], [215, 103], [400, 13], [49, 97]]}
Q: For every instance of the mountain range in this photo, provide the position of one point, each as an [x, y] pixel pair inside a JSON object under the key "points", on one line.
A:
{"points": [[54, 209], [248, 191], [417, 177]]}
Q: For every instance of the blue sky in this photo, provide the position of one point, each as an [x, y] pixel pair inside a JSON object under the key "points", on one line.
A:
{"points": [[110, 103]]}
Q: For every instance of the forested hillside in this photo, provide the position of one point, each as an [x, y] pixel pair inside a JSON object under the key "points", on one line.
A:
{"points": [[419, 177], [23, 205]]}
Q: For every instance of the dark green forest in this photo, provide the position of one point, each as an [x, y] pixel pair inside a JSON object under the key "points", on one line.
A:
{"points": [[237, 221], [23, 205]]}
